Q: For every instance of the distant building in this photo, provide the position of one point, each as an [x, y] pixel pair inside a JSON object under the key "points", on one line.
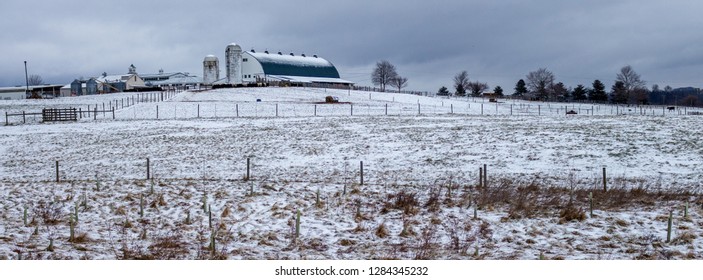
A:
{"points": [[163, 79], [250, 67], [20, 92], [105, 84]]}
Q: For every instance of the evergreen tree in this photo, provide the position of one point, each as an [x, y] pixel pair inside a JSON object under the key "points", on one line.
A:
{"points": [[520, 88], [559, 92], [460, 90], [443, 91], [579, 93], [498, 91], [619, 93], [598, 94]]}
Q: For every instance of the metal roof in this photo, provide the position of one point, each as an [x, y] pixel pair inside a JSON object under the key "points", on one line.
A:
{"points": [[309, 80], [24, 88], [289, 65]]}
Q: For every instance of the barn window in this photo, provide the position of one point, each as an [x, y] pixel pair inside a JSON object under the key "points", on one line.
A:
{"points": [[245, 59]]}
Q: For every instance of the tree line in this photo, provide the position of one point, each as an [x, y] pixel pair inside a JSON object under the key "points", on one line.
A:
{"points": [[541, 85]]}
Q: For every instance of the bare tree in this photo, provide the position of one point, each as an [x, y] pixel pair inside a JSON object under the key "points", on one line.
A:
{"points": [[461, 83], [632, 84], [630, 79], [34, 80], [540, 82], [399, 82], [383, 74], [477, 88]]}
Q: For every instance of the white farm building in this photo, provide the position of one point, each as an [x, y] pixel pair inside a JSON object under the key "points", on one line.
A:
{"points": [[251, 67]]}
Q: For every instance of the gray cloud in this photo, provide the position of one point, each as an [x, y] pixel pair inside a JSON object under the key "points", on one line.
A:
{"points": [[497, 42]]}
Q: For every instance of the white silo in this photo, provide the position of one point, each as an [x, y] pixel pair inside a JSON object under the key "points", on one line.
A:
{"points": [[211, 69], [233, 55]]}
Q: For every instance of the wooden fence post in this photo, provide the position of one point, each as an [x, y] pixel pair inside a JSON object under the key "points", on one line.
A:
{"points": [[386, 109], [452, 109], [113, 113], [485, 176], [24, 118], [480, 177], [668, 227], [351, 109], [148, 171], [237, 109], [6, 119], [198, 110], [361, 165], [157, 112], [248, 168], [315, 114], [95, 113], [605, 181], [57, 171], [418, 108], [276, 109]]}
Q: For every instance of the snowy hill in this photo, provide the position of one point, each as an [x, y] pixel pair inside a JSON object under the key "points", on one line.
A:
{"points": [[421, 157]]}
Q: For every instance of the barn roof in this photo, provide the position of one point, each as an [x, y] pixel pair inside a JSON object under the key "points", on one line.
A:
{"points": [[289, 65]]}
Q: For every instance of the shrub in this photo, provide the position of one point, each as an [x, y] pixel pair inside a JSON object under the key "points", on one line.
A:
{"points": [[570, 213]]}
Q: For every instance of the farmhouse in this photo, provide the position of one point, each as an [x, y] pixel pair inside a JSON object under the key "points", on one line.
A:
{"points": [[251, 67]]}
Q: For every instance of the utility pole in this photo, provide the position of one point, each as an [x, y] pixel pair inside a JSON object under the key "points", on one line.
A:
{"points": [[26, 79]]}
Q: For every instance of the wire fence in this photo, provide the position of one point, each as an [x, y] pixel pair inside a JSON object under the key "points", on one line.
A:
{"points": [[346, 173], [137, 107]]}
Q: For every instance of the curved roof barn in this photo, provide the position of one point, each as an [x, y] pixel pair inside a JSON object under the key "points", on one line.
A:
{"points": [[289, 65]]}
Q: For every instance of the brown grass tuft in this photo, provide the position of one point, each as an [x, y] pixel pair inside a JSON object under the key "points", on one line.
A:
{"points": [[570, 213], [382, 231]]}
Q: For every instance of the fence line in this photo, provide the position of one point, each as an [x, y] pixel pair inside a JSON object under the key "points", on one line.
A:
{"points": [[281, 110], [246, 170], [187, 110], [105, 107]]}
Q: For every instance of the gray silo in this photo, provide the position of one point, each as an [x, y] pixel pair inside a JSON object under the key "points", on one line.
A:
{"points": [[211, 69], [76, 87], [91, 87], [233, 57]]}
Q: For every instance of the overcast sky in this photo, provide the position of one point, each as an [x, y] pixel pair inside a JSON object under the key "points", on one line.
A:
{"points": [[497, 42]]}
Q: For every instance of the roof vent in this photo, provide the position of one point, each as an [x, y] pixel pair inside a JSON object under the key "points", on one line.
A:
{"points": [[252, 50], [303, 55], [266, 52], [279, 53], [291, 54], [314, 55]]}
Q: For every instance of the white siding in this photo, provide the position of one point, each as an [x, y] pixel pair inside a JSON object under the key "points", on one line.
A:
{"points": [[251, 68], [12, 95]]}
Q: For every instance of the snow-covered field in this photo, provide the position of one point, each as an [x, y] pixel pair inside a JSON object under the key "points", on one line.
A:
{"points": [[421, 159]]}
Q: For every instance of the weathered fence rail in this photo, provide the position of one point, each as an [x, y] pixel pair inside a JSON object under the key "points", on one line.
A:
{"points": [[59, 115]]}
